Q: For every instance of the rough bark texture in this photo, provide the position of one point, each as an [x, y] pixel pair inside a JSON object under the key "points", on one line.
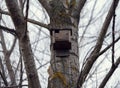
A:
{"points": [[33, 79], [64, 71], [24, 43]]}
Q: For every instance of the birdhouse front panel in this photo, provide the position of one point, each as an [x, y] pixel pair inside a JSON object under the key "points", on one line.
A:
{"points": [[61, 39], [62, 36]]}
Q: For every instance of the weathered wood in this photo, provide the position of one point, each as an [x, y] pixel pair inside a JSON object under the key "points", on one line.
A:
{"points": [[61, 39]]}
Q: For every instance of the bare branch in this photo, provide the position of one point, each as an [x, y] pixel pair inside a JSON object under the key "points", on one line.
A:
{"points": [[3, 73], [11, 31], [22, 3], [3, 41], [79, 5], [2, 67], [17, 17], [29, 20], [109, 74], [93, 56], [24, 43], [104, 50], [91, 17], [21, 69], [7, 59], [4, 79], [46, 5], [16, 86], [13, 46], [38, 23], [4, 12], [27, 9]]}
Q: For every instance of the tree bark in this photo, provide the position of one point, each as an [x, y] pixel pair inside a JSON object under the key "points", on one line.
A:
{"points": [[63, 71], [24, 43]]}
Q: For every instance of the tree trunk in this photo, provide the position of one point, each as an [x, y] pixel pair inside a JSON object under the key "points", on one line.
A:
{"points": [[64, 70]]}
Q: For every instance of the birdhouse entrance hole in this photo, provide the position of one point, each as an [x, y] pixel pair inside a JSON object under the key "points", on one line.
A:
{"points": [[56, 31]]}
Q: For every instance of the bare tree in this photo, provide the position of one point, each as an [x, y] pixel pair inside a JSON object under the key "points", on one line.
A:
{"points": [[65, 70]]}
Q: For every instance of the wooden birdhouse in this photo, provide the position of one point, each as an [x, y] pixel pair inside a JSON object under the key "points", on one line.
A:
{"points": [[61, 39]]}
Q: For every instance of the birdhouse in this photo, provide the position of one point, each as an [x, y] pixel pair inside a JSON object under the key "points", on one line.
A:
{"points": [[61, 39]]}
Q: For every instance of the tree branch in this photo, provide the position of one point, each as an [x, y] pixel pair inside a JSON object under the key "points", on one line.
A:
{"points": [[4, 12], [79, 5], [11, 31], [15, 86], [13, 46], [109, 74], [24, 43], [104, 50], [3, 73], [17, 17], [38, 23], [46, 5], [30, 20], [93, 56], [4, 79]]}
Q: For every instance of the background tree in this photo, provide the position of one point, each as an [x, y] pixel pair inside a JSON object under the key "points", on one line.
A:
{"points": [[90, 49]]}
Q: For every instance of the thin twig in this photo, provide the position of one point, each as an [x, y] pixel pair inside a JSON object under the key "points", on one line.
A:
{"points": [[14, 86], [6, 29], [109, 74], [21, 71], [3, 73], [113, 34], [29, 20]]}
